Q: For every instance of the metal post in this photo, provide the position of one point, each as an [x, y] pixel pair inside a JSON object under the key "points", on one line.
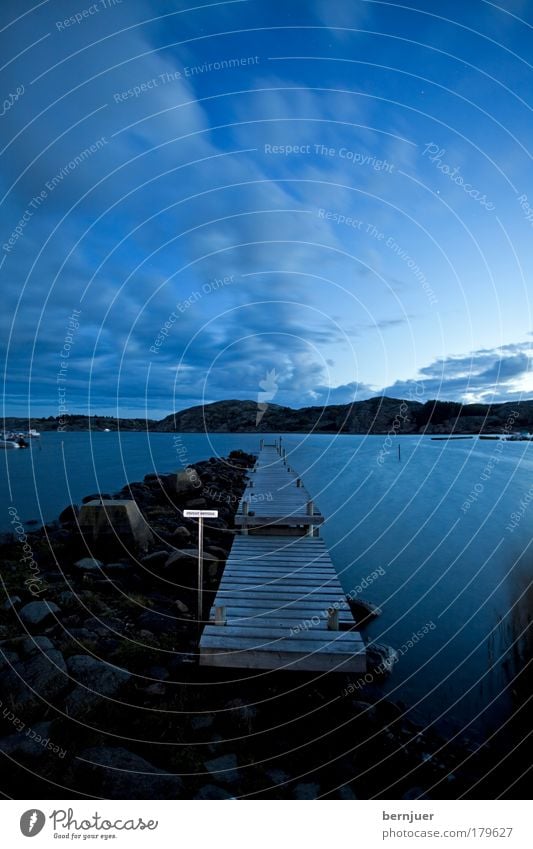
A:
{"points": [[200, 569], [220, 614]]}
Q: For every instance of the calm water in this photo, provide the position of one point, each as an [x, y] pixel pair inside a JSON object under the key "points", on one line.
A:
{"points": [[462, 570]]}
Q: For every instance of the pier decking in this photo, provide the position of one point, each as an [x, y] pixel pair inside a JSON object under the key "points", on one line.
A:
{"points": [[280, 603]]}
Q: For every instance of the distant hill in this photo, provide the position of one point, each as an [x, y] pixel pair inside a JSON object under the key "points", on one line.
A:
{"points": [[378, 415]]}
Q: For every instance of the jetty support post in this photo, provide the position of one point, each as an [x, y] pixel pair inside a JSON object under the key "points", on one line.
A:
{"points": [[310, 512], [333, 619], [220, 614]]}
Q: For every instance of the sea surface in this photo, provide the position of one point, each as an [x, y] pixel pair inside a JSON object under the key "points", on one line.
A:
{"points": [[440, 535]]}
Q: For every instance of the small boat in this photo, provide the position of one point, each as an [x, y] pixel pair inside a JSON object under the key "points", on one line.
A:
{"points": [[13, 440], [33, 434]]}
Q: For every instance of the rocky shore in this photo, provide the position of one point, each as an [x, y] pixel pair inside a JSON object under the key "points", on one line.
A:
{"points": [[101, 694]]}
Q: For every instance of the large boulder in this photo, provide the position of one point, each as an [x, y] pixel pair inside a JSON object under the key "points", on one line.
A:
{"points": [[37, 612], [116, 773]]}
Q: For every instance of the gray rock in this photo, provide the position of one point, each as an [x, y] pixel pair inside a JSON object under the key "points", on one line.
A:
{"points": [[117, 773], [32, 645], [307, 791], [37, 612], [224, 769], [97, 675], [211, 791], [88, 564]]}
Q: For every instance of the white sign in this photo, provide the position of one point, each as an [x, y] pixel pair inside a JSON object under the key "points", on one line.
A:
{"points": [[200, 514]]}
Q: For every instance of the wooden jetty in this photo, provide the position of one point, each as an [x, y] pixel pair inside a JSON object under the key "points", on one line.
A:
{"points": [[280, 604]]}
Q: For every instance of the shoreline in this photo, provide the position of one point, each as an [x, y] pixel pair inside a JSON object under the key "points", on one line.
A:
{"points": [[111, 650]]}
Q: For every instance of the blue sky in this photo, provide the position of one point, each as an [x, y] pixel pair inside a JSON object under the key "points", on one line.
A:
{"points": [[332, 197]]}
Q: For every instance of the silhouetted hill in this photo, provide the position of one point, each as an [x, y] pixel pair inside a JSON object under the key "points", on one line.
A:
{"points": [[375, 415]]}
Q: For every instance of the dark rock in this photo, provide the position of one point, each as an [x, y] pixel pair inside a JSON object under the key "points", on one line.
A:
{"points": [[155, 622], [380, 658], [118, 567], [96, 675], [11, 601], [156, 558], [224, 769], [277, 776], [196, 503], [30, 741], [120, 774], [96, 497], [69, 514], [31, 645], [211, 791], [181, 533], [414, 793], [186, 556], [347, 793], [160, 673], [200, 722], [42, 675], [7, 658], [363, 611], [37, 612], [307, 791]]}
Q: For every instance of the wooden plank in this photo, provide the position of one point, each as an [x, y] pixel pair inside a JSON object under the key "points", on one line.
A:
{"points": [[271, 632], [346, 642]]}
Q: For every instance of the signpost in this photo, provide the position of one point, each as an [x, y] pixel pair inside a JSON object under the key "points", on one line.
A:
{"points": [[200, 515]]}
